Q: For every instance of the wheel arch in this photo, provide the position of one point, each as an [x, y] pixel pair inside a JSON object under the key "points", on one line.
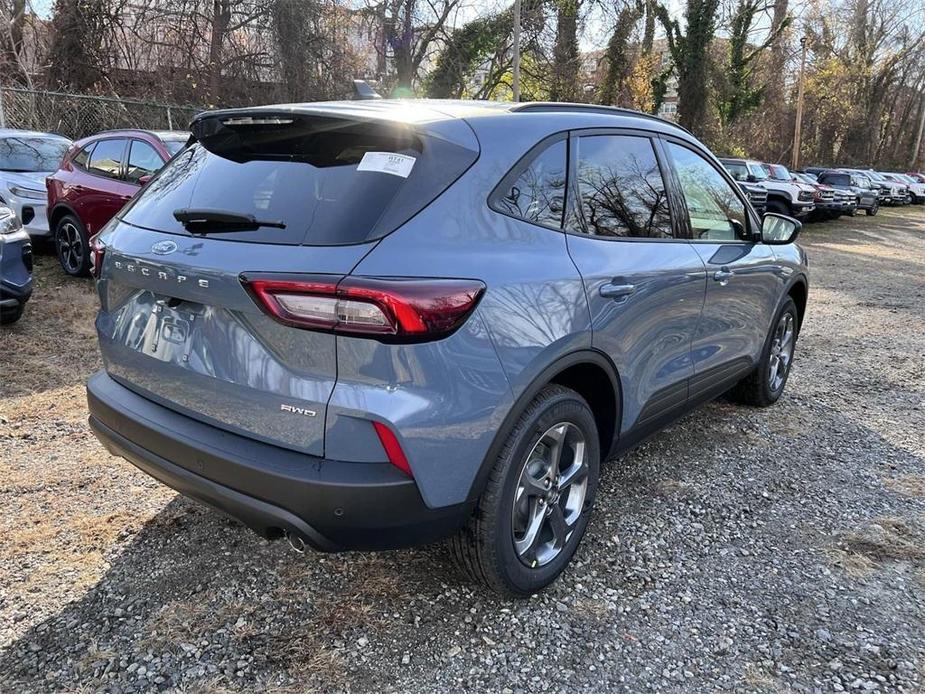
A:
{"points": [[58, 211], [588, 372], [799, 292]]}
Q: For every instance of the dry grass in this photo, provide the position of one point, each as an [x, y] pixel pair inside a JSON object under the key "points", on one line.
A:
{"points": [[887, 538], [669, 487], [53, 345], [855, 565], [188, 621], [79, 533], [306, 656], [757, 678], [216, 685], [884, 539], [910, 485]]}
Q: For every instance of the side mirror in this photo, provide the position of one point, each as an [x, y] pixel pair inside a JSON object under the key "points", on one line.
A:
{"points": [[779, 229], [143, 180]]}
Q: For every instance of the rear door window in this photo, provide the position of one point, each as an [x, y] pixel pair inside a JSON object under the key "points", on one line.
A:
{"points": [[143, 160], [106, 159], [83, 156], [620, 192], [327, 180]]}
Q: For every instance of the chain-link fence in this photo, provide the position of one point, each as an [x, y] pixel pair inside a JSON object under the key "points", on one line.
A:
{"points": [[79, 115]]}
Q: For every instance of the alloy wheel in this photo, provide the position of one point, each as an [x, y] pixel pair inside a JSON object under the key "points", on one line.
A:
{"points": [[550, 495], [782, 345], [70, 247]]}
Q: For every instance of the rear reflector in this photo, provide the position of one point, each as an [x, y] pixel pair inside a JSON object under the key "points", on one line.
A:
{"points": [[400, 310], [392, 448]]}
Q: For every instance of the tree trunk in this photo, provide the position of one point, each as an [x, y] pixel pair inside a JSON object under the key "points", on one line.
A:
{"points": [[778, 121], [565, 54], [221, 18], [403, 45], [693, 94], [618, 59], [648, 34]]}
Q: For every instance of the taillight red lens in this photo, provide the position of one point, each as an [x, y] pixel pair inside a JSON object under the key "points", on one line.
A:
{"points": [[392, 448], [389, 309], [97, 252]]}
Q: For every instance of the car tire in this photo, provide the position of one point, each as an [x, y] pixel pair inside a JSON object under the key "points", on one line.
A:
{"points": [[527, 496], [72, 246], [11, 315], [873, 209], [764, 386]]}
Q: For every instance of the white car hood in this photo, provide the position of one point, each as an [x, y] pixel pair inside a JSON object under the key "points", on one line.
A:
{"points": [[29, 179]]}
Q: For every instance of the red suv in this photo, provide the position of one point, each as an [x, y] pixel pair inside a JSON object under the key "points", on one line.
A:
{"points": [[97, 176]]}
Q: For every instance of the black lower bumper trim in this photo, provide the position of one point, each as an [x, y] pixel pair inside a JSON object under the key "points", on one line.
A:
{"points": [[330, 505]]}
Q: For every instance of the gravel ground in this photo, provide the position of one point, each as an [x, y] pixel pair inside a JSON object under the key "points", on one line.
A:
{"points": [[741, 549]]}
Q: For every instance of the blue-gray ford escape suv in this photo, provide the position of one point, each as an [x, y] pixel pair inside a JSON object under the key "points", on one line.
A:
{"points": [[370, 325]]}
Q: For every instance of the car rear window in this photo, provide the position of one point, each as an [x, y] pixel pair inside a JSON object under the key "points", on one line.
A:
{"points": [[329, 180]]}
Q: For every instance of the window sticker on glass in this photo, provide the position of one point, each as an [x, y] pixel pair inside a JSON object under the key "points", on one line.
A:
{"points": [[387, 162]]}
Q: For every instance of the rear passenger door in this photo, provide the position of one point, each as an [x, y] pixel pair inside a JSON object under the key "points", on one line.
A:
{"points": [[744, 279], [143, 160], [644, 281], [106, 190]]}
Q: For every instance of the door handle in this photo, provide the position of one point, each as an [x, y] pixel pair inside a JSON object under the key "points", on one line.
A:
{"points": [[612, 290], [723, 275]]}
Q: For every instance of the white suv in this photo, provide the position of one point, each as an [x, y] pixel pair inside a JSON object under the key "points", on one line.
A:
{"points": [[785, 195], [26, 158]]}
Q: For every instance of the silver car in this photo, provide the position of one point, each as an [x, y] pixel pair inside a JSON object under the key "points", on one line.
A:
{"points": [[26, 158]]}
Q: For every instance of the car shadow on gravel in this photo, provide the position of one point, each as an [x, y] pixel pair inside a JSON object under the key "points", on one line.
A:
{"points": [[722, 543], [198, 598]]}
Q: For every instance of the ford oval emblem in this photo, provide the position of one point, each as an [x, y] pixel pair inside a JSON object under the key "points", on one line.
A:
{"points": [[164, 247]]}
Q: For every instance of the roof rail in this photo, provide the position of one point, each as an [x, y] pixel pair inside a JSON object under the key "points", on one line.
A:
{"points": [[591, 108]]}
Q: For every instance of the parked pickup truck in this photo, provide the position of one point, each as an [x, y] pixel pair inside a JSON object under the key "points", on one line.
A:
{"points": [[883, 190], [785, 196], [756, 192], [858, 185], [915, 187], [830, 203], [891, 192]]}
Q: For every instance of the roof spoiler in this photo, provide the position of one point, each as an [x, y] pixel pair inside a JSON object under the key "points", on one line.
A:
{"points": [[363, 91]]}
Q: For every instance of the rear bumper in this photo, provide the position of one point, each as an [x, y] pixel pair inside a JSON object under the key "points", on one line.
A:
{"points": [[330, 505]]}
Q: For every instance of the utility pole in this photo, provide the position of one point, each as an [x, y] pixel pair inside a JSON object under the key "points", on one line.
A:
{"points": [[798, 126], [916, 151], [516, 66]]}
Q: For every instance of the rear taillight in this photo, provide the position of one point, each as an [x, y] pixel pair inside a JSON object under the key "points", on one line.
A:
{"points": [[97, 252], [401, 310]]}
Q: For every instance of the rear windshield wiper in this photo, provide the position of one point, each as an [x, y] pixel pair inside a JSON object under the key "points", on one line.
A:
{"points": [[205, 221]]}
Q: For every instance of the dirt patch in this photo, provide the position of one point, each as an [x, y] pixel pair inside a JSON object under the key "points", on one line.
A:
{"points": [[910, 485], [886, 538]]}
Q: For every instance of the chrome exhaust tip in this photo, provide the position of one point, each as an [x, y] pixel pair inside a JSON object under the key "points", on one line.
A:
{"points": [[296, 542]]}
